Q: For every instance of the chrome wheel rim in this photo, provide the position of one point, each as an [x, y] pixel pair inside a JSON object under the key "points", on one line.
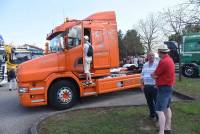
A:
{"points": [[64, 95], [189, 71]]}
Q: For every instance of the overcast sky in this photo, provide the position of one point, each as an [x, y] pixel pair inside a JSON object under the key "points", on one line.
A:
{"points": [[29, 21]]}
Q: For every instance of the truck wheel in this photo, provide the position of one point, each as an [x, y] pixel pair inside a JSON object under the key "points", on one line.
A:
{"points": [[62, 95], [189, 71]]}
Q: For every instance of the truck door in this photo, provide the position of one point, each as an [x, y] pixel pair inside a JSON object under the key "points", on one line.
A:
{"points": [[74, 58], [173, 50], [101, 56]]}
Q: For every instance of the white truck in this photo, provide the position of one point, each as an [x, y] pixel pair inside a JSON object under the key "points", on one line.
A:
{"points": [[3, 66]]}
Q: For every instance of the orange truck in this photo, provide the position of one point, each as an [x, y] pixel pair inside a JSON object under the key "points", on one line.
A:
{"points": [[56, 79]]}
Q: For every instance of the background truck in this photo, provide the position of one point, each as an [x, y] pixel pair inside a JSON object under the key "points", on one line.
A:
{"points": [[3, 66], [35, 51], [16, 56], [190, 54], [57, 78]]}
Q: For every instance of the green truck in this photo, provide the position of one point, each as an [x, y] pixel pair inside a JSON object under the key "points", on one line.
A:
{"points": [[190, 54]]}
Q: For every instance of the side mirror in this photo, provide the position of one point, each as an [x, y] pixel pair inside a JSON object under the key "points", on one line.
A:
{"points": [[46, 48]]}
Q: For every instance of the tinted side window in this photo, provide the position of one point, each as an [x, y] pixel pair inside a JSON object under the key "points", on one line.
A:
{"points": [[74, 36]]}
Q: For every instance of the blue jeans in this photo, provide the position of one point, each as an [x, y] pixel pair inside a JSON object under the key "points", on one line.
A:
{"points": [[164, 98], [150, 93]]}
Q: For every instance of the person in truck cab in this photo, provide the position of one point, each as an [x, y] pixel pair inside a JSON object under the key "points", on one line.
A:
{"points": [[88, 53]]}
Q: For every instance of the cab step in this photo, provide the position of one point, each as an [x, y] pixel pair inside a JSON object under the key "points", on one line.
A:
{"points": [[88, 85], [89, 93], [83, 75]]}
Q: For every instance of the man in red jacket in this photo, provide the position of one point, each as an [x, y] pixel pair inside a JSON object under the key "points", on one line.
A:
{"points": [[165, 80]]}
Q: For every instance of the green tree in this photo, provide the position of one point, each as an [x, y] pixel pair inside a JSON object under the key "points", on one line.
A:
{"points": [[122, 49], [132, 43], [175, 37], [191, 28], [188, 29]]}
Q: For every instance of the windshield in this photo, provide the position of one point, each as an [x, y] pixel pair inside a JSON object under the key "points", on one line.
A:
{"points": [[36, 55], [191, 43], [2, 56], [57, 43], [19, 57]]}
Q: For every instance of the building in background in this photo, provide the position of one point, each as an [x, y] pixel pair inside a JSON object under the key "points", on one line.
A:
{"points": [[35, 51]]}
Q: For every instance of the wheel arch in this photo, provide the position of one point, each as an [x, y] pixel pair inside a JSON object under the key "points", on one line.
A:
{"points": [[195, 65], [190, 64], [55, 78]]}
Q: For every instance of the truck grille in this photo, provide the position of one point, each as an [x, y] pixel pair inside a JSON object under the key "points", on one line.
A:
{"points": [[2, 69]]}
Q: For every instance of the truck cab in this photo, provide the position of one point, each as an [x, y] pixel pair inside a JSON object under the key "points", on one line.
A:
{"points": [[16, 56], [190, 54], [3, 66], [57, 78], [68, 38]]}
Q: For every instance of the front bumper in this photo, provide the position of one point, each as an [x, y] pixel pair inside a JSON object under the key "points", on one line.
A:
{"points": [[31, 98]]}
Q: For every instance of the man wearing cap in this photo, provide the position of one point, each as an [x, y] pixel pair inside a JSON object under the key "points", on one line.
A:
{"points": [[165, 80], [88, 60]]}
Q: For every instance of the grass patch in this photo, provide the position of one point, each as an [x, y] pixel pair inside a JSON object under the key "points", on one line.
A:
{"points": [[186, 118], [189, 86], [128, 120], [121, 120]]}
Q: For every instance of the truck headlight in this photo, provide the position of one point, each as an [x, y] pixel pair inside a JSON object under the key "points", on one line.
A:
{"points": [[23, 90]]}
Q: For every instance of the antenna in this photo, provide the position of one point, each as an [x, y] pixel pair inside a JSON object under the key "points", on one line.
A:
{"points": [[63, 12]]}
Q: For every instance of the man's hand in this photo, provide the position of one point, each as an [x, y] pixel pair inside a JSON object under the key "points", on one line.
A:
{"points": [[142, 87], [154, 76]]}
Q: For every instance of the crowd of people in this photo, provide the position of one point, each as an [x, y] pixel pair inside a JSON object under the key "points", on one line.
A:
{"points": [[138, 61]]}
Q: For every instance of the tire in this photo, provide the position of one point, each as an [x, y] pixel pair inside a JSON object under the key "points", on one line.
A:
{"points": [[62, 95], [189, 71]]}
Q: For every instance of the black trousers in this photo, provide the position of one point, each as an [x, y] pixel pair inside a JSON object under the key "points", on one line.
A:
{"points": [[150, 93]]}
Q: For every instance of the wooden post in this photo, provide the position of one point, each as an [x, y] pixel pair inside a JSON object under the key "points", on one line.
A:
{"points": [[179, 63]]}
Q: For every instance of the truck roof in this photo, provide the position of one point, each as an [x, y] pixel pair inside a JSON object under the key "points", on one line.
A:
{"points": [[100, 16]]}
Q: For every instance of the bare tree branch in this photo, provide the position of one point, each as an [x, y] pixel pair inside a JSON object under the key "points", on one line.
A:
{"points": [[148, 30]]}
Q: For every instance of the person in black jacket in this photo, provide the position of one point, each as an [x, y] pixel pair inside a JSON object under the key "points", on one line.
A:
{"points": [[12, 79]]}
